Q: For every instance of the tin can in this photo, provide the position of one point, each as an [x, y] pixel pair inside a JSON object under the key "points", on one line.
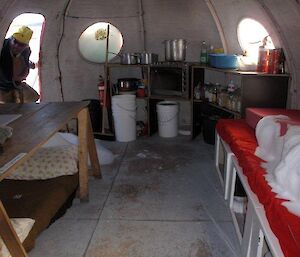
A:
{"points": [[274, 61]]}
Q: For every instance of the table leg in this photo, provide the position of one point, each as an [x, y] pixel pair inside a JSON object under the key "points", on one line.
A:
{"points": [[93, 151], [83, 153], [9, 235]]}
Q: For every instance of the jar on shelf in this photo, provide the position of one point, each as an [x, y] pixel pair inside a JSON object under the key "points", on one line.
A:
{"points": [[239, 105], [222, 97], [208, 92], [231, 87], [197, 92], [234, 103], [229, 102]]}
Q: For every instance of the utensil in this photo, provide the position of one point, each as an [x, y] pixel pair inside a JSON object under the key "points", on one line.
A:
{"points": [[148, 58], [128, 58], [175, 50], [168, 50], [127, 84]]}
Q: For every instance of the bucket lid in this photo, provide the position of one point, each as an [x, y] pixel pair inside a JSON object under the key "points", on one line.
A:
{"points": [[167, 103]]}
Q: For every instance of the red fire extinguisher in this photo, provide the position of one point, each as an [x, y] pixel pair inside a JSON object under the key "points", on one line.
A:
{"points": [[101, 89], [263, 57]]}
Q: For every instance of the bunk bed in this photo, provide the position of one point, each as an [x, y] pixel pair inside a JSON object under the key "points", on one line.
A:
{"points": [[42, 199]]}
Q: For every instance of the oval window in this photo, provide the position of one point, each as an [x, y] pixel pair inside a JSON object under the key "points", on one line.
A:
{"points": [[251, 35], [92, 42]]}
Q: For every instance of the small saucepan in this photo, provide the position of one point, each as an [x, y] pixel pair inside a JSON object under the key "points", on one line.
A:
{"points": [[127, 84]]}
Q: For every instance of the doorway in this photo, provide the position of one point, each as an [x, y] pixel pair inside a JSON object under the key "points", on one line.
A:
{"points": [[36, 22]]}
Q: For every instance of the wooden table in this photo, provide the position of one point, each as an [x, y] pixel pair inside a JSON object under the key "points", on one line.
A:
{"points": [[38, 123]]}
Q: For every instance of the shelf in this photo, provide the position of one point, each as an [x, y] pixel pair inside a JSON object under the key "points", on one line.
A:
{"points": [[118, 65], [197, 101], [239, 72], [178, 98], [225, 109], [218, 107]]}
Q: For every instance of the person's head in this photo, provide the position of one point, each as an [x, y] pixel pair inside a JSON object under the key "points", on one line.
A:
{"points": [[20, 39]]}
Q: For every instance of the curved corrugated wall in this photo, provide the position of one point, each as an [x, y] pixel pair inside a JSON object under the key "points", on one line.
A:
{"points": [[144, 25]]}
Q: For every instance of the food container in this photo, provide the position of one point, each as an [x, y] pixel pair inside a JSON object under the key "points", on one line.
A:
{"points": [[127, 84], [175, 50], [223, 61], [128, 58], [148, 58]]}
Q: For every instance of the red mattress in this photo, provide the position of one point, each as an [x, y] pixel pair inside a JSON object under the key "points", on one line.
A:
{"points": [[285, 225], [253, 115]]}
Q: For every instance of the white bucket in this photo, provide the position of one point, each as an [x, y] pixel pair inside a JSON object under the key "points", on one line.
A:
{"points": [[167, 118], [124, 114]]}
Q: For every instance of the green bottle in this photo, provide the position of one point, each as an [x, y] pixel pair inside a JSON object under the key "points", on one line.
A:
{"points": [[204, 54]]}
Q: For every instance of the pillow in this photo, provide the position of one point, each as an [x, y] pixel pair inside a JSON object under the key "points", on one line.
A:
{"points": [[48, 162], [22, 227], [269, 139], [105, 156], [5, 133], [57, 140]]}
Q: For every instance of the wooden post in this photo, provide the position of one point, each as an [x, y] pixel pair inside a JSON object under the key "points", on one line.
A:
{"points": [[93, 151], [9, 235], [83, 153], [104, 109]]}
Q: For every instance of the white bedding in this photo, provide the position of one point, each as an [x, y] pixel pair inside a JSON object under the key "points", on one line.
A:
{"points": [[282, 156]]}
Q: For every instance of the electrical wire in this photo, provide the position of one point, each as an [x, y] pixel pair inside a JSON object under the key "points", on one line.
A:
{"points": [[59, 48]]}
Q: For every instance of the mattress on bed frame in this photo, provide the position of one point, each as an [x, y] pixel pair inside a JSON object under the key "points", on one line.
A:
{"points": [[42, 200]]}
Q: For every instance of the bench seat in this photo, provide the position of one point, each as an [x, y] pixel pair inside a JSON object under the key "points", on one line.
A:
{"points": [[242, 141]]}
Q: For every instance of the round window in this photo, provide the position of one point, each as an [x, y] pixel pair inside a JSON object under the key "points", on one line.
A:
{"points": [[251, 35], [93, 41]]}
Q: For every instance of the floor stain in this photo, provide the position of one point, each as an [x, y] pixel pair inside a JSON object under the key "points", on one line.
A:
{"points": [[156, 165], [200, 249], [106, 249], [132, 192]]}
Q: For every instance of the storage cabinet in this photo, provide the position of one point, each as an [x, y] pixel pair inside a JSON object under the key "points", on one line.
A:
{"points": [[162, 82], [254, 90], [116, 71]]}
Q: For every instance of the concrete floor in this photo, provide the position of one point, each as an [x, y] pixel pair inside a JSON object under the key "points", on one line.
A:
{"points": [[160, 198]]}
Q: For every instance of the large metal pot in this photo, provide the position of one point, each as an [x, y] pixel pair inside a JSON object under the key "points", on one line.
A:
{"points": [[175, 50], [148, 58], [128, 58]]}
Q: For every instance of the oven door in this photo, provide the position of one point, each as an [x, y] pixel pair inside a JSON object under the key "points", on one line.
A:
{"points": [[168, 81]]}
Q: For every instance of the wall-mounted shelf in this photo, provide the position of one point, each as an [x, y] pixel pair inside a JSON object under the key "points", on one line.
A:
{"points": [[256, 90]]}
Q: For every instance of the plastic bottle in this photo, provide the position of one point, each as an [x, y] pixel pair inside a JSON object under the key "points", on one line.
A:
{"points": [[214, 94], [101, 90], [231, 87], [203, 55], [211, 51]]}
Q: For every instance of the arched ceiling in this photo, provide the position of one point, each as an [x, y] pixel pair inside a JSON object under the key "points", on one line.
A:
{"points": [[145, 24]]}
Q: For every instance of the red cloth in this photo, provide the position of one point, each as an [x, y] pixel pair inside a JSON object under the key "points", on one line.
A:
{"points": [[253, 115], [285, 225]]}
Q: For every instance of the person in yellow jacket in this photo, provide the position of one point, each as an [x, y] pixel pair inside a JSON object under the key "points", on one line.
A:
{"points": [[14, 68]]}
